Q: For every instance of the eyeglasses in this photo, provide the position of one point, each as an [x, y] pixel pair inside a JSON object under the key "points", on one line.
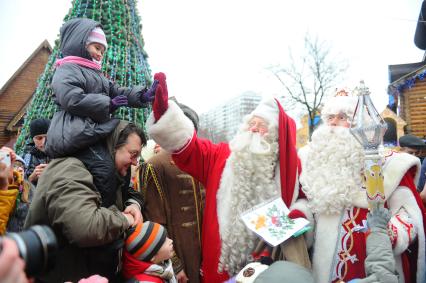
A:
{"points": [[340, 117]]}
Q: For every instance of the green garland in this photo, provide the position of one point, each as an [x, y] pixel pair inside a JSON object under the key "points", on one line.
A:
{"points": [[125, 61]]}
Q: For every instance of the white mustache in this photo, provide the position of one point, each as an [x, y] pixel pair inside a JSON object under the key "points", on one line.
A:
{"points": [[255, 143]]}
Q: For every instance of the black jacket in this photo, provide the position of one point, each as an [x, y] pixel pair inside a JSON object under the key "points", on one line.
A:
{"points": [[83, 95], [33, 157]]}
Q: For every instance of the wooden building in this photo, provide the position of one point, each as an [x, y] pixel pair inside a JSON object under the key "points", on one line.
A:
{"points": [[16, 93], [407, 88], [408, 97]]}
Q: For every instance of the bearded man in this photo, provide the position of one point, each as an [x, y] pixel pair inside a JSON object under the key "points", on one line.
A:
{"points": [[336, 202], [237, 176]]}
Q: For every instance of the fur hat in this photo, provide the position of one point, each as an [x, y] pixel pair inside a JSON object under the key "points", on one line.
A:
{"points": [[145, 240], [97, 35], [39, 127], [267, 110], [341, 102]]}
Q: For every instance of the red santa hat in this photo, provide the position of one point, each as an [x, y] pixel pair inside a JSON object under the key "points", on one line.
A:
{"points": [[272, 112]]}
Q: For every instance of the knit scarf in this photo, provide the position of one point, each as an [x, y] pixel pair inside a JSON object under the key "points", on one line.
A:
{"points": [[79, 61], [164, 271], [132, 267]]}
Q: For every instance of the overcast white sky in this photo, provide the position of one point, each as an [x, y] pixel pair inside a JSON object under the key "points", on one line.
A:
{"points": [[212, 50]]}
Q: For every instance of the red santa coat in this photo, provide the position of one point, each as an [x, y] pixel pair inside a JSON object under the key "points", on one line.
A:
{"points": [[205, 161], [340, 239]]}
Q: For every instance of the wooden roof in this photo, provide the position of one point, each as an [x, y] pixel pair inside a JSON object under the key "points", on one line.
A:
{"points": [[44, 44]]}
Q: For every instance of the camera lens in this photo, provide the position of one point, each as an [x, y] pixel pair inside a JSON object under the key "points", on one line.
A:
{"points": [[37, 247]]}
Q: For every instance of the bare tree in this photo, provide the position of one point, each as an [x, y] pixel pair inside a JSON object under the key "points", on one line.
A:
{"points": [[308, 80]]}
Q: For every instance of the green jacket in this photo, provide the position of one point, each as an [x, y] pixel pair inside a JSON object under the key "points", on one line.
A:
{"points": [[89, 236]]}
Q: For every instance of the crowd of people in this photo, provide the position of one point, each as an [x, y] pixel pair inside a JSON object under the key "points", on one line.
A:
{"points": [[176, 215]]}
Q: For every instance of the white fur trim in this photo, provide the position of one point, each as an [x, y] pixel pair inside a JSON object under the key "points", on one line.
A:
{"points": [[360, 199], [302, 205], [339, 104], [224, 197], [402, 197], [395, 167], [173, 130], [402, 240], [326, 234], [267, 110]]}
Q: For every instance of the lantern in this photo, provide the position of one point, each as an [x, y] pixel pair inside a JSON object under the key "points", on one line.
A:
{"points": [[368, 128]]}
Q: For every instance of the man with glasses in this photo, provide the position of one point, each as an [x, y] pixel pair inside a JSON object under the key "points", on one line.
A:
{"points": [[90, 235]]}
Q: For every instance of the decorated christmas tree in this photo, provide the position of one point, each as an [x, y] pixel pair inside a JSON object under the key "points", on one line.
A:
{"points": [[124, 61]]}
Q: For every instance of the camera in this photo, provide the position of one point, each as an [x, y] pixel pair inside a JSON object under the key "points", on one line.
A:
{"points": [[5, 158], [37, 247]]}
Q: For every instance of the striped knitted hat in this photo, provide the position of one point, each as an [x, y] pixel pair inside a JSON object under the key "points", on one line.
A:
{"points": [[97, 35], [145, 240]]}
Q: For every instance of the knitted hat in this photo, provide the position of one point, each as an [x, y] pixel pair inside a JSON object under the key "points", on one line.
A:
{"points": [[271, 111], [39, 127], [97, 35], [145, 240], [341, 102]]}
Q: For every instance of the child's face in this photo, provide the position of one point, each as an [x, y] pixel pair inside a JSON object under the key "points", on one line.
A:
{"points": [[165, 252], [96, 51]]}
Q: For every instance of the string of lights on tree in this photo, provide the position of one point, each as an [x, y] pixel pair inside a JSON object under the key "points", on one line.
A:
{"points": [[125, 61]]}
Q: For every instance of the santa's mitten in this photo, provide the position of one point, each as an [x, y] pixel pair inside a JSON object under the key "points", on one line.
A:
{"points": [[295, 213], [161, 96]]}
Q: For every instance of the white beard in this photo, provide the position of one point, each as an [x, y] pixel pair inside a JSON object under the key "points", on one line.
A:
{"points": [[247, 180], [331, 176]]}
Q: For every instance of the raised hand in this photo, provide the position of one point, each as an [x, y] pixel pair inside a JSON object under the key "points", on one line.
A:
{"points": [[118, 101], [161, 96], [149, 95]]}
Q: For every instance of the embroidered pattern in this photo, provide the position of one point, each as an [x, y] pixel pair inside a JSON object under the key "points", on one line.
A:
{"points": [[345, 248]]}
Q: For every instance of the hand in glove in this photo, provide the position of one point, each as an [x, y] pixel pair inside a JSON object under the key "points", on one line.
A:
{"points": [[161, 96], [116, 102], [295, 213], [378, 218], [149, 95]]}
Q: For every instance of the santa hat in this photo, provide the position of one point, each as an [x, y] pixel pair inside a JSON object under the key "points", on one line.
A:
{"points": [[272, 112], [145, 240], [342, 102], [97, 35]]}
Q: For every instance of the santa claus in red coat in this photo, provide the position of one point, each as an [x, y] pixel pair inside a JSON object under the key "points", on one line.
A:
{"points": [[337, 207], [258, 164]]}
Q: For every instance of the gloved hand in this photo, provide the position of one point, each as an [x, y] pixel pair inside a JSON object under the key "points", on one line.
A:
{"points": [[149, 95], [378, 218], [116, 102], [295, 213], [161, 96]]}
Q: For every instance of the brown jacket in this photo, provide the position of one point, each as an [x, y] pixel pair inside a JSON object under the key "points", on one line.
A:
{"points": [[175, 200]]}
